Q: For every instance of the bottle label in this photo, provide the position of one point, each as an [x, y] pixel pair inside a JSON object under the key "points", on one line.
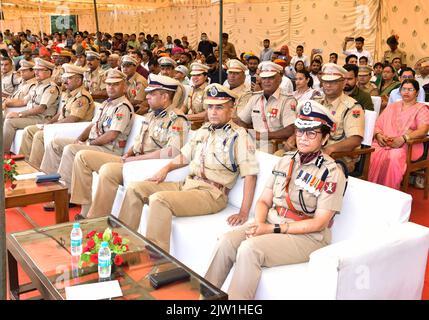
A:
{"points": [[76, 242], [103, 262]]}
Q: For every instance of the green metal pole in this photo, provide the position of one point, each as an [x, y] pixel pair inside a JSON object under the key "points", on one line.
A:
{"points": [[96, 17]]}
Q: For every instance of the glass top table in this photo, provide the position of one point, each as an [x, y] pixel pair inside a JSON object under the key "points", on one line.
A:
{"points": [[45, 256]]}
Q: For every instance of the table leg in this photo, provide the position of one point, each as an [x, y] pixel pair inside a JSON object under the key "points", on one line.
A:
{"points": [[61, 199], [13, 276]]}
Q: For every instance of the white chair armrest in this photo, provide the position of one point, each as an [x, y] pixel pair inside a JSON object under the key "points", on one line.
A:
{"points": [[387, 265], [66, 130], [144, 169]]}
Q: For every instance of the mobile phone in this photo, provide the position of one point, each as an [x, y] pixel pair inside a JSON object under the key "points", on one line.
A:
{"points": [[318, 50], [253, 79]]}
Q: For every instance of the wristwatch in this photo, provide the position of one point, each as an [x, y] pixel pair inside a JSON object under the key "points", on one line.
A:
{"points": [[277, 228]]}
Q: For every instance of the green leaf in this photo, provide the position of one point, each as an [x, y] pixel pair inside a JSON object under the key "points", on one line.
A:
{"points": [[125, 241], [84, 257], [107, 235]]}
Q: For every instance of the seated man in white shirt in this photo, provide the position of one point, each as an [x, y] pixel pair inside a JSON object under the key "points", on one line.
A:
{"points": [[315, 68], [406, 73], [300, 56]]}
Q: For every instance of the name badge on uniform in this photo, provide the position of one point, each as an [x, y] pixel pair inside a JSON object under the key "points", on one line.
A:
{"points": [[279, 173], [256, 111]]}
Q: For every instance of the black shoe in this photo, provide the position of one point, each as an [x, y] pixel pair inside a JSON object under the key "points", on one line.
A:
{"points": [[50, 206]]}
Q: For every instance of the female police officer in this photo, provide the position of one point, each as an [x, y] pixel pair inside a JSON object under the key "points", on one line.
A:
{"points": [[294, 213]]}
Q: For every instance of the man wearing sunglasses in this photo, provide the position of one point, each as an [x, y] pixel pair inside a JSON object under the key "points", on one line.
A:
{"points": [[348, 114], [42, 103]]}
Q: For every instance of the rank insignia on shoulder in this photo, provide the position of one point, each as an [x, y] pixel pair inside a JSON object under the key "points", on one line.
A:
{"points": [[119, 116], [356, 113], [330, 187]]}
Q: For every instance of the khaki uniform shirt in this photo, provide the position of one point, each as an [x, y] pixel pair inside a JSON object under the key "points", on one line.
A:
{"points": [[229, 50], [389, 56], [196, 99], [113, 115], [272, 115], [349, 121], [24, 88], [94, 81], [77, 103], [167, 129], [306, 179], [370, 88], [56, 75], [45, 92], [244, 94], [220, 155], [10, 82], [135, 92]]}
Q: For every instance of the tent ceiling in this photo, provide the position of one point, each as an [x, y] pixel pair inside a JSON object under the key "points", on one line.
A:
{"points": [[80, 5]]}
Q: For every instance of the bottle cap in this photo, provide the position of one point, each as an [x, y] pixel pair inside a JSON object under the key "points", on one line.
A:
{"points": [[76, 225], [104, 244]]}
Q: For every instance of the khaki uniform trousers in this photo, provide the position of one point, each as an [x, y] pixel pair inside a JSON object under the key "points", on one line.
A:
{"points": [[109, 168], [59, 156], [165, 200], [250, 255], [11, 125], [32, 145]]}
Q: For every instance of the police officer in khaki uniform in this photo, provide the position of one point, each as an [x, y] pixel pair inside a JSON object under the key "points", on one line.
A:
{"points": [[136, 84], [60, 58], [108, 132], [42, 103], [364, 81], [76, 105], [218, 153], [10, 79], [94, 78], [195, 108], [348, 114], [167, 66], [28, 81], [163, 134], [394, 52], [294, 212], [236, 82], [270, 112]]}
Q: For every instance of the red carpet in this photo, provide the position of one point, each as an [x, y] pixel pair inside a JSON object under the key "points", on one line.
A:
{"points": [[16, 222]]}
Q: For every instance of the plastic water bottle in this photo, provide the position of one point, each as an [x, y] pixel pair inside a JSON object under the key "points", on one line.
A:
{"points": [[104, 261], [76, 240]]}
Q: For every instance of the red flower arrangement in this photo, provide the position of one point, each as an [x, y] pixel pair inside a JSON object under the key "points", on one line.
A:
{"points": [[117, 246], [9, 169]]}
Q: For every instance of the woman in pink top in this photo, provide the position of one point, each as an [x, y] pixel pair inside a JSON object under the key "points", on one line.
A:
{"points": [[400, 121]]}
